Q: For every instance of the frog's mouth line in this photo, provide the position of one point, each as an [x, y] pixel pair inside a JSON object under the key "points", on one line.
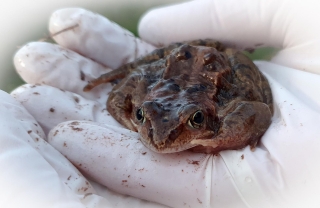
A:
{"points": [[165, 148], [177, 145]]}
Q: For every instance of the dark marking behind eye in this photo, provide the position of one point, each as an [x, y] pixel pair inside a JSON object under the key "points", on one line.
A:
{"points": [[128, 103], [165, 120], [150, 133]]}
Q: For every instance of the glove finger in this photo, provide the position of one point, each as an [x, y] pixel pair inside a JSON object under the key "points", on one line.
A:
{"points": [[116, 158], [53, 65], [220, 20], [51, 106], [96, 37], [244, 24]]}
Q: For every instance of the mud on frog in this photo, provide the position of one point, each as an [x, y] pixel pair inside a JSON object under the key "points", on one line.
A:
{"points": [[195, 95]]}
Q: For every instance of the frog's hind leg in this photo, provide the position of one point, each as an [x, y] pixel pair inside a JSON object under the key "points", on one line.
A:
{"points": [[119, 73], [124, 70]]}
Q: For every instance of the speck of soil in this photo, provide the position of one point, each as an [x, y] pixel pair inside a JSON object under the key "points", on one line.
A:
{"points": [[76, 129], [193, 162], [82, 75], [74, 123], [76, 99]]}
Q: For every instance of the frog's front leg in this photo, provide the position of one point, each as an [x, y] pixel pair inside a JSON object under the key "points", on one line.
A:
{"points": [[242, 123]]}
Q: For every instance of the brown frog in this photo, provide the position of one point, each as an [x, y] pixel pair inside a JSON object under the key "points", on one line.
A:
{"points": [[195, 95]]}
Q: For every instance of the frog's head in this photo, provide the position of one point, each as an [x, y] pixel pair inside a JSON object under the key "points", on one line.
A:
{"points": [[181, 107], [168, 121]]}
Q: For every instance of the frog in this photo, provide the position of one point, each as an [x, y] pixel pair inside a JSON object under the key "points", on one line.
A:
{"points": [[194, 95]]}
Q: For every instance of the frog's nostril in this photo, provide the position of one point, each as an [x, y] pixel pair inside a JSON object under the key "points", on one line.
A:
{"points": [[175, 133]]}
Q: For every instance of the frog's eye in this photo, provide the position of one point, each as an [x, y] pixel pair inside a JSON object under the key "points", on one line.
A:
{"points": [[196, 119], [140, 115]]}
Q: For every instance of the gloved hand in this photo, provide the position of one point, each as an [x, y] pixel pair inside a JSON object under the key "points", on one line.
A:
{"points": [[33, 173], [281, 172]]}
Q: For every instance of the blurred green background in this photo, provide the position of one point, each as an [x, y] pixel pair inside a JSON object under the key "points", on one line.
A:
{"points": [[128, 17]]}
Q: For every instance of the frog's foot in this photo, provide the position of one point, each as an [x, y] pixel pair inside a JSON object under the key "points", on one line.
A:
{"points": [[108, 77]]}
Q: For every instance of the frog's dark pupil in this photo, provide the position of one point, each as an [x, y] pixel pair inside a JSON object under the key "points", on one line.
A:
{"points": [[187, 54], [139, 114], [198, 117]]}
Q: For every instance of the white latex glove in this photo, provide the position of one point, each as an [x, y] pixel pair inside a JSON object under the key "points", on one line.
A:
{"points": [[33, 173], [283, 170]]}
